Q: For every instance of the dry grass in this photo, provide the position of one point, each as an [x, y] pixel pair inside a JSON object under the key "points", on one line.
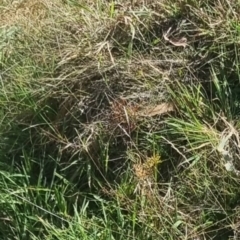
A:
{"points": [[119, 119]]}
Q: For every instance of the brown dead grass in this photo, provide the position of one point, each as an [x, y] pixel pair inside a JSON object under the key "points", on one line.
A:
{"points": [[26, 13], [78, 73]]}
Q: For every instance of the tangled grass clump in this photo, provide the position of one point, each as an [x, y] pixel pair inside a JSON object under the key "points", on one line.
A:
{"points": [[119, 120]]}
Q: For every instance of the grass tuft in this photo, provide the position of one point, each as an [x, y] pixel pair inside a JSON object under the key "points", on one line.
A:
{"points": [[119, 119]]}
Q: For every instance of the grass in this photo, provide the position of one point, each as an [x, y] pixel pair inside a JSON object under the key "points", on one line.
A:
{"points": [[119, 119]]}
